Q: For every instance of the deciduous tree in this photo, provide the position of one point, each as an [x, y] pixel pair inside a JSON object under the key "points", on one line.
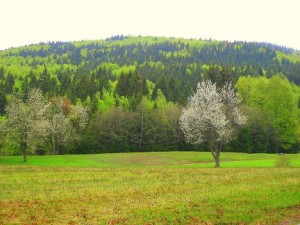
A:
{"points": [[25, 120], [212, 116], [64, 122]]}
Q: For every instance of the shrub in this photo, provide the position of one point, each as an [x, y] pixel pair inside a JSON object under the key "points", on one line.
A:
{"points": [[282, 161]]}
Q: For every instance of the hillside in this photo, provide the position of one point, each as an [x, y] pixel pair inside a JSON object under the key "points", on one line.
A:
{"points": [[80, 69], [135, 87]]}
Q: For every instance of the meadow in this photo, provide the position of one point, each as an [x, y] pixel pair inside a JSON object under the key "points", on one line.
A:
{"points": [[149, 188]]}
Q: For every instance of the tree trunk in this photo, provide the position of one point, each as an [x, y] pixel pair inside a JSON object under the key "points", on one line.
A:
{"points": [[217, 159], [141, 133], [56, 146], [215, 151], [24, 150]]}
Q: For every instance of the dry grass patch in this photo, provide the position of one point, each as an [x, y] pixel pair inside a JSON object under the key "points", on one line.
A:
{"points": [[49, 195]]}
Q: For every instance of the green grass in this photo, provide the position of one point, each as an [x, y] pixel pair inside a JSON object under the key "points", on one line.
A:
{"points": [[149, 188], [169, 159]]}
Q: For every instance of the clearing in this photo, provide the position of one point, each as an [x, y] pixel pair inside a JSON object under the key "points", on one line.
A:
{"points": [[149, 188]]}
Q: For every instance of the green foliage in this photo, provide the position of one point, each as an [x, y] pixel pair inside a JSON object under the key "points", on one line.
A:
{"points": [[106, 102], [294, 57], [160, 101], [278, 103]]}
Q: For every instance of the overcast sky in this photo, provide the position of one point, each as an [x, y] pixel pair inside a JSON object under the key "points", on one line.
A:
{"points": [[33, 21]]}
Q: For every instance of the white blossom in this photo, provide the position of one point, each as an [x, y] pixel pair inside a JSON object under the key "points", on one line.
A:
{"points": [[26, 120], [212, 115], [64, 122]]}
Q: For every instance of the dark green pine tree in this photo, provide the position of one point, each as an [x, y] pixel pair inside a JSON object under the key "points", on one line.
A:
{"points": [[243, 143], [64, 77], [145, 89], [2, 98], [2, 74], [259, 138], [9, 83], [25, 88], [135, 85], [44, 81], [174, 93], [123, 85], [212, 73], [136, 90], [33, 80], [162, 85], [224, 76]]}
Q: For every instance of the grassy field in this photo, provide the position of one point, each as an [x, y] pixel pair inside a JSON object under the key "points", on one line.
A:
{"points": [[149, 188], [165, 159]]}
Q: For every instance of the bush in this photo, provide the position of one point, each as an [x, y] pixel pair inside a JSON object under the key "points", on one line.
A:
{"points": [[282, 161]]}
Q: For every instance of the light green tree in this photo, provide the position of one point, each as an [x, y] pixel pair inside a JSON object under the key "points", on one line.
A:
{"points": [[276, 99]]}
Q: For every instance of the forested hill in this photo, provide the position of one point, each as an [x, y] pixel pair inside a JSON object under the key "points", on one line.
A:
{"points": [[135, 87], [80, 69]]}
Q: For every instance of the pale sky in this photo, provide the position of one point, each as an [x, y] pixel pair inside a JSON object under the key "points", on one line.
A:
{"points": [[32, 21]]}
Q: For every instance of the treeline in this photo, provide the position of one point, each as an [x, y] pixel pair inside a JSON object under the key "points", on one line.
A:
{"points": [[134, 89], [151, 127], [54, 126], [114, 125]]}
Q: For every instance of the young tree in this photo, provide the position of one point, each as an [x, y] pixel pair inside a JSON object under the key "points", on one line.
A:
{"points": [[212, 116], [25, 120]]}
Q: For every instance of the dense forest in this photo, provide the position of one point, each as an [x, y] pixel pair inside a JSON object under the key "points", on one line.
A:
{"points": [[134, 88]]}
